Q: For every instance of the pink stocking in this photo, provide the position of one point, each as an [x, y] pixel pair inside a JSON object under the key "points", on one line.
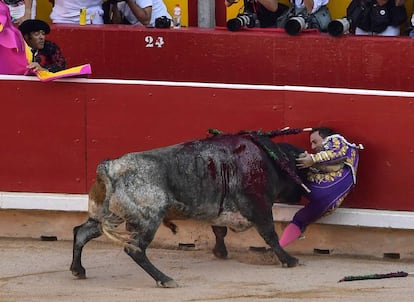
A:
{"points": [[290, 234]]}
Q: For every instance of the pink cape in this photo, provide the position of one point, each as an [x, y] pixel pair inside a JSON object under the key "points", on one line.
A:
{"points": [[12, 45]]}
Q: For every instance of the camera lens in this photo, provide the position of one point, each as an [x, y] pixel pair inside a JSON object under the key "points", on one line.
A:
{"points": [[338, 27], [239, 22], [294, 25]]}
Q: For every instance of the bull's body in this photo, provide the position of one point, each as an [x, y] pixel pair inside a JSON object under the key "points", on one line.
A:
{"points": [[227, 180]]}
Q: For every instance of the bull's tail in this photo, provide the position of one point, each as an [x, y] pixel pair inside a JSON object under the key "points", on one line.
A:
{"points": [[103, 175], [123, 238], [110, 221]]}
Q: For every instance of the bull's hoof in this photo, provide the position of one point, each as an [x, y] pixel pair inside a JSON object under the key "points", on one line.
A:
{"points": [[168, 284], [292, 262], [220, 253], [80, 273]]}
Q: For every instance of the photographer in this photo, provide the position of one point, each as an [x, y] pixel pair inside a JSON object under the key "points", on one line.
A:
{"points": [[267, 11], [313, 13], [138, 12], [377, 17]]}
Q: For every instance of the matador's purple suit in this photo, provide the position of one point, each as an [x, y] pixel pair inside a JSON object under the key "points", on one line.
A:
{"points": [[330, 179]]}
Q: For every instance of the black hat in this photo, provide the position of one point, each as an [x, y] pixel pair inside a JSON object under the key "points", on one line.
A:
{"points": [[32, 25]]}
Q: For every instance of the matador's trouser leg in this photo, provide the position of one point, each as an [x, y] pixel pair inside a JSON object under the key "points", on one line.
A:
{"points": [[323, 198]]}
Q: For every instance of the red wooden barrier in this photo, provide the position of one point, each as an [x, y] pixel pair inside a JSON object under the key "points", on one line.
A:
{"points": [[253, 57], [54, 134], [42, 137]]}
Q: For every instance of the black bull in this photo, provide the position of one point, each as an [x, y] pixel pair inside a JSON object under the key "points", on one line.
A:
{"points": [[225, 180]]}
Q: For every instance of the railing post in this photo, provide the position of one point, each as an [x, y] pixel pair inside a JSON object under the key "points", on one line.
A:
{"points": [[206, 13]]}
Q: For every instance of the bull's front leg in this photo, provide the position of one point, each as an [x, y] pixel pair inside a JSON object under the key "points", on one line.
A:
{"points": [[82, 234], [220, 250], [267, 231]]}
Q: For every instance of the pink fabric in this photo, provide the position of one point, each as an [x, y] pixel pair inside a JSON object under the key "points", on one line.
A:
{"points": [[12, 45], [290, 234]]}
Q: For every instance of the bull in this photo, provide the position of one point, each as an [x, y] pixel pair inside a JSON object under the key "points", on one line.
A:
{"points": [[229, 180]]}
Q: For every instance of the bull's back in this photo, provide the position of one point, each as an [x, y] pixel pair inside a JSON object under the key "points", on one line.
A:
{"points": [[218, 173], [199, 178]]}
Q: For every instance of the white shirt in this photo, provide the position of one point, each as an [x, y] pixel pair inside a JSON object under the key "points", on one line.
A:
{"points": [[68, 11], [317, 4], [158, 10], [17, 10]]}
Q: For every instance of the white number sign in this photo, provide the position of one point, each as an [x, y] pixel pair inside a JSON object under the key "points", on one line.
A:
{"points": [[149, 40]]}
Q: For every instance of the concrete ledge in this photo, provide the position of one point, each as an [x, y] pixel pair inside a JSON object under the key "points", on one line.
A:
{"points": [[281, 212], [354, 217], [339, 240], [44, 201]]}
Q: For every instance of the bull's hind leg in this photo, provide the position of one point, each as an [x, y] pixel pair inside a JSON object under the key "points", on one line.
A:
{"points": [[82, 234], [140, 243], [220, 250]]}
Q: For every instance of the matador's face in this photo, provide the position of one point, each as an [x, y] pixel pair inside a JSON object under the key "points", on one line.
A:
{"points": [[316, 141], [36, 39]]}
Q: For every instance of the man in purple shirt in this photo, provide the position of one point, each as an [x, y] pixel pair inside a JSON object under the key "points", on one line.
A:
{"points": [[331, 175]]}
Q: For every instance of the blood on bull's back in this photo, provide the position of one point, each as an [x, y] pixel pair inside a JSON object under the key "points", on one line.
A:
{"points": [[211, 176]]}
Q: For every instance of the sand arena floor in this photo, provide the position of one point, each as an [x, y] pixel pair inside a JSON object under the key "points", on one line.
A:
{"points": [[34, 270]]}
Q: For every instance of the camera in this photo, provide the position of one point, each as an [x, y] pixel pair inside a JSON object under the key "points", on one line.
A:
{"points": [[245, 19], [339, 27], [162, 22], [294, 25], [342, 26]]}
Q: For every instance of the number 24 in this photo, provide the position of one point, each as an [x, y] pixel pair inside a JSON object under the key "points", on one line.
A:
{"points": [[159, 42]]}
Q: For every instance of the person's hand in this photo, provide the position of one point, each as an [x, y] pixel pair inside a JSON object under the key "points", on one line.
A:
{"points": [[25, 17], [304, 161], [34, 66], [229, 2]]}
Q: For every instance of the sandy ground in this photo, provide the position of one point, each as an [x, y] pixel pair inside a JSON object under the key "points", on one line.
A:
{"points": [[34, 270]]}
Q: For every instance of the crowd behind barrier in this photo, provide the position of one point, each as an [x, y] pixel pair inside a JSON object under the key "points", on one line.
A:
{"points": [[376, 13]]}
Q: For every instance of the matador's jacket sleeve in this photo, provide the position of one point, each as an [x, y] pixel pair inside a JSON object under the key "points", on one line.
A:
{"points": [[338, 152]]}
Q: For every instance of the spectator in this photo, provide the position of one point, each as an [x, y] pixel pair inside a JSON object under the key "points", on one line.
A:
{"points": [[68, 11], [314, 13], [46, 54], [139, 12], [411, 33], [21, 10], [267, 11], [377, 17]]}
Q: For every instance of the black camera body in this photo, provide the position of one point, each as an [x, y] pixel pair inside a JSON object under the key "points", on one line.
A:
{"points": [[162, 22], [242, 20], [344, 25]]}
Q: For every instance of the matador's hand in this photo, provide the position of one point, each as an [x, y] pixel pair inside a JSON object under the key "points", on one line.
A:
{"points": [[35, 66], [305, 161]]}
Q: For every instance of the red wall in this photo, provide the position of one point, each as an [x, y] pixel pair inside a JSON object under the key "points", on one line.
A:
{"points": [[254, 56], [54, 134]]}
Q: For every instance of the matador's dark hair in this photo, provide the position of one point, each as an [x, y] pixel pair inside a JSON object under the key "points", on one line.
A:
{"points": [[324, 131]]}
